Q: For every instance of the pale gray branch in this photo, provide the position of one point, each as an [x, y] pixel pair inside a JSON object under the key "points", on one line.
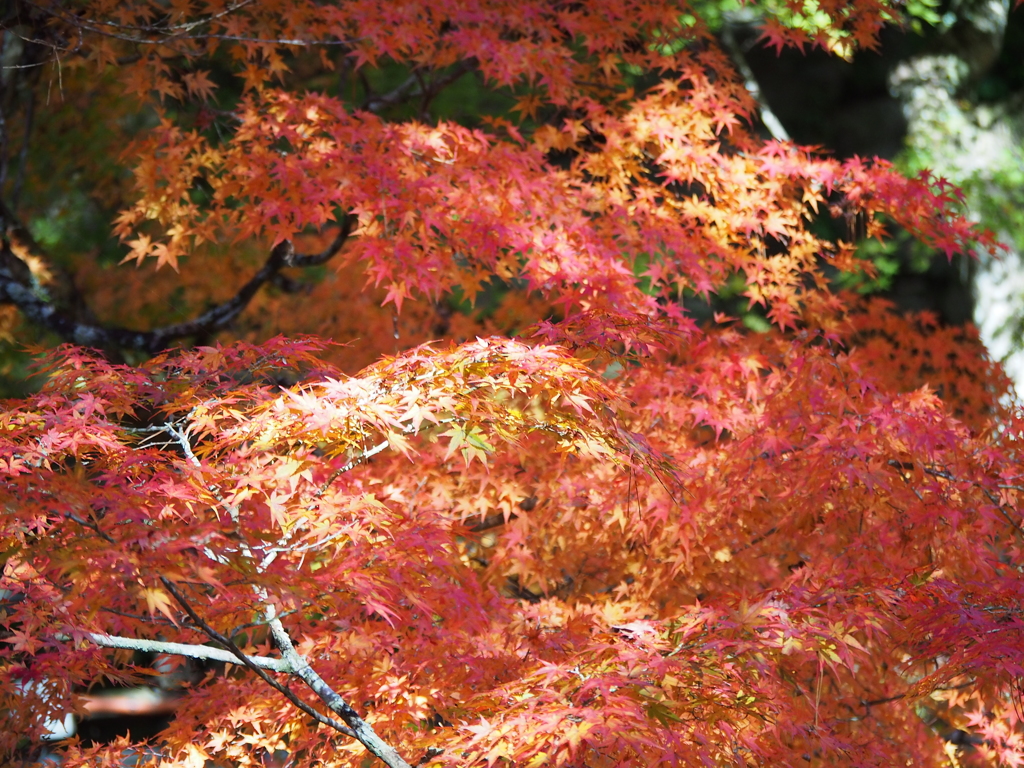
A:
{"points": [[203, 652], [768, 118], [300, 668]]}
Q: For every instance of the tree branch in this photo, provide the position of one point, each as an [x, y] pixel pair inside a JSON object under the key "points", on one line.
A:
{"points": [[300, 668], [235, 651], [768, 118], [427, 90], [951, 478], [166, 35], [39, 308], [192, 651], [19, 174]]}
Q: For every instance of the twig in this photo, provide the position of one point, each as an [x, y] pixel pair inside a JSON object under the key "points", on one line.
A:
{"points": [[991, 496], [180, 32]]}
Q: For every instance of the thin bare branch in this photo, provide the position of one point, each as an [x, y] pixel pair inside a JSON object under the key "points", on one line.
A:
{"points": [[165, 36], [407, 90]]}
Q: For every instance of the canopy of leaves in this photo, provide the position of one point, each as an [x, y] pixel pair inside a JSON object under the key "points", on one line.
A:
{"points": [[595, 524]]}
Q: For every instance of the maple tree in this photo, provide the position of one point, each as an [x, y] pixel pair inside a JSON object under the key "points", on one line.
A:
{"points": [[537, 506]]}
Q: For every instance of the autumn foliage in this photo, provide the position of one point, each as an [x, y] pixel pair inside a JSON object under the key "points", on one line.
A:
{"points": [[533, 504]]}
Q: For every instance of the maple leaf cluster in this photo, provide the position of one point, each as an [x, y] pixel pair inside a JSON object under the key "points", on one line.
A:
{"points": [[586, 527]]}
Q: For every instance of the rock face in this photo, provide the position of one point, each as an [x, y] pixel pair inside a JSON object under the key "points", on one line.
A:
{"points": [[843, 106], [949, 96]]}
